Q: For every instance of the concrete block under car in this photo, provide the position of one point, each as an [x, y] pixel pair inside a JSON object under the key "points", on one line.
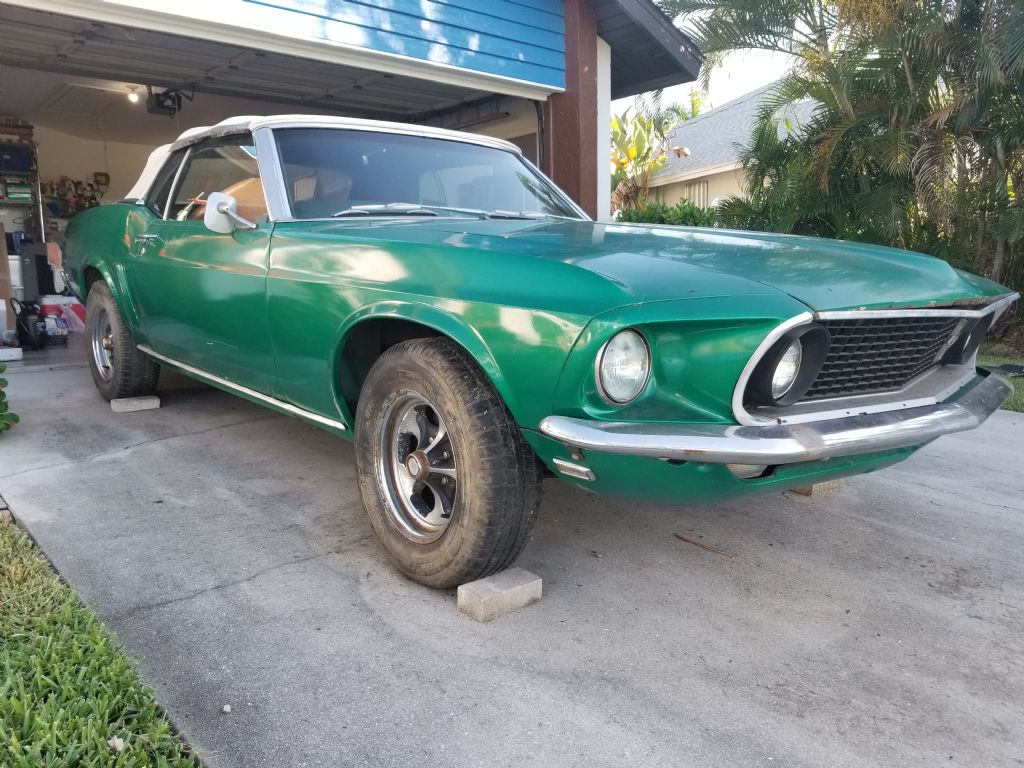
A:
{"points": [[829, 486], [132, 404], [486, 599]]}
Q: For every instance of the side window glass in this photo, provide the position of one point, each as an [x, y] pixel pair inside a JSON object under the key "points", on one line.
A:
{"points": [[156, 200], [226, 165]]}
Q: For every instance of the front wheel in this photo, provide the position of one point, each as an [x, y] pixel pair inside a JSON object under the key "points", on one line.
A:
{"points": [[118, 368], [449, 484]]}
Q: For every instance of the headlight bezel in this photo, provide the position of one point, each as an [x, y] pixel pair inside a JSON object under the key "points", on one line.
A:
{"points": [[814, 340], [599, 368], [967, 340]]}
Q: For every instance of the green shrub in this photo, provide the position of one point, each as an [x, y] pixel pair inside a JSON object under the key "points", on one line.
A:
{"points": [[7, 419], [683, 213]]}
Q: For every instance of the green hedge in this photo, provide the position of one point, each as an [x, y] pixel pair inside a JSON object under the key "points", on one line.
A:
{"points": [[683, 213]]}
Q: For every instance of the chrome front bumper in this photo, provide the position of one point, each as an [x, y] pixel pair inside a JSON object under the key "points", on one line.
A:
{"points": [[784, 444]]}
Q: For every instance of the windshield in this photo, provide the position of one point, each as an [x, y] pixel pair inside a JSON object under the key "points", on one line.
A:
{"points": [[331, 172]]}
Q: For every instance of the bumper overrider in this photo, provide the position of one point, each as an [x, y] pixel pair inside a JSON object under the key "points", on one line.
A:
{"points": [[786, 444]]}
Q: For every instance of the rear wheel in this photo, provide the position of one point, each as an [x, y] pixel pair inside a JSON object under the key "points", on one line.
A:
{"points": [[118, 368], [449, 484]]}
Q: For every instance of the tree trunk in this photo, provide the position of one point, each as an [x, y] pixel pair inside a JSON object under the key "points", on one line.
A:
{"points": [[999, 258]]}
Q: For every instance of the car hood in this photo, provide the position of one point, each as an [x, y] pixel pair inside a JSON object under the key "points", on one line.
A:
{"points": [[659, 263]]}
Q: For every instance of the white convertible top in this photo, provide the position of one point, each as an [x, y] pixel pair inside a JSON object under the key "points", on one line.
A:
{"points": [[247, 123], [149, 172]]}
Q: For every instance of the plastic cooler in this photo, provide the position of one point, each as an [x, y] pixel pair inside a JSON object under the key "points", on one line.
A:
{"points": [[62, 306]]}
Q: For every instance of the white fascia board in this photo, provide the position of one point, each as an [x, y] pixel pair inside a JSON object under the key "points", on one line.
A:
{"points": [[696, 173], [202, 19], [604, 130]]}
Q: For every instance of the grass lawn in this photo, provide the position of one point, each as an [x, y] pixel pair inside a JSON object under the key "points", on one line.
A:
{"points": [[995, 356], [68, 695]]}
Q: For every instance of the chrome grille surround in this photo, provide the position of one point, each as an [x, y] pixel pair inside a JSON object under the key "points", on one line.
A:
{"points": [[880, 354], [926, 331]]}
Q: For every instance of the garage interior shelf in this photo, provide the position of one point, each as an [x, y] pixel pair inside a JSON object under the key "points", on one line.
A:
{"points": [[19, 188]]}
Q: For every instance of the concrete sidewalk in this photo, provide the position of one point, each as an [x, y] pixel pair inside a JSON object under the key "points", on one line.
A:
{"points": [[882, 625]]}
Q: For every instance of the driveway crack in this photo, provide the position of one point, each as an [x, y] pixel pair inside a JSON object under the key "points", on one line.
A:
{"points": [[236, 582], [213, 588], [969, 499]]}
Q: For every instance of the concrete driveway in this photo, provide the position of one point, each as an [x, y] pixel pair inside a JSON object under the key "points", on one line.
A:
{"points": [[881, 625]]}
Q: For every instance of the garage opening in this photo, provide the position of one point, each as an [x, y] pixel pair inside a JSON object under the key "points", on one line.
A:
{"points": [[83, 103]]}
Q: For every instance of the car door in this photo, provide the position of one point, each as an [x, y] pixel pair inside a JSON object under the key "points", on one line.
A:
{"points": [[201, 295]]}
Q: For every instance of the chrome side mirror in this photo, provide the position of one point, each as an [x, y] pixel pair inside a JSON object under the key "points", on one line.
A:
{"points": [[221, 214]]}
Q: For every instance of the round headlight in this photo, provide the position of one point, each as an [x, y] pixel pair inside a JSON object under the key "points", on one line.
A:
{"points": [[787, 370], [623, 367]]}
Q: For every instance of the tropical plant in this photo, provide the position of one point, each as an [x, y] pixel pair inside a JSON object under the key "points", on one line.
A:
{"points": [[666, 116], [917, 134], [7, 419], [807, 30], [683, 213], [639, 150]]}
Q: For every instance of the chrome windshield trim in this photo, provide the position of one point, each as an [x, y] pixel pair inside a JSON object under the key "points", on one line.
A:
{"points": [[173, 191], [271, 174], [565, 197], [223, 383], [784, 444]]}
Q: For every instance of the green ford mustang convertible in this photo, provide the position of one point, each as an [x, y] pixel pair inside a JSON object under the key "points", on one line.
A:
{"points": [[434, 297]]}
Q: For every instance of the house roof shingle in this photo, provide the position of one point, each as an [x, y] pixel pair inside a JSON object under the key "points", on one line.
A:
{"points": [[714, 138]]}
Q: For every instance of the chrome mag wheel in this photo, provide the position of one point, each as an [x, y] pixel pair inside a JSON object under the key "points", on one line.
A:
{"points": [[101, 339], [417, 468]]}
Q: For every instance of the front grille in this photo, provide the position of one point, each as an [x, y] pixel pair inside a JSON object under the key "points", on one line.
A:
{"points": [[867, 356]]}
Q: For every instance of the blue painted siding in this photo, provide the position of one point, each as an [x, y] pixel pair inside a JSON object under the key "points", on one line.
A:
{"points": [[521, 39]]}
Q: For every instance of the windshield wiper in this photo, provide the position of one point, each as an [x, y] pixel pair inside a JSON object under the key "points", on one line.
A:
{"points": [[524, 215], [387, 209]]}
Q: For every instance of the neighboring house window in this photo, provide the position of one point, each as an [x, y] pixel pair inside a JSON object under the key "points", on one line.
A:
{"points": [[697, 193]]}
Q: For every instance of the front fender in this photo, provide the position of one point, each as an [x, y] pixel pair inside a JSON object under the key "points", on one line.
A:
{"points": [[698, 349], [114, 275], [521, 351], [100, 239]]}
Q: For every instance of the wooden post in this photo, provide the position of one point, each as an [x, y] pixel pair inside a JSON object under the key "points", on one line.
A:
{"points": [[570, 118]]}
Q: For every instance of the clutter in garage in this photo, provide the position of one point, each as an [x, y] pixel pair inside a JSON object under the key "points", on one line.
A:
{"points": [[36, 308]]}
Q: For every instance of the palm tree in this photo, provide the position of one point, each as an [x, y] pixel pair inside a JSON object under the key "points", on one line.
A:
{"points": [[650, 106], [807, 30], [917, 138]]}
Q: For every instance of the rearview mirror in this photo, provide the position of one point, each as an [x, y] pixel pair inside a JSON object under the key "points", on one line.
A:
{"points": [[221, 214]]}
